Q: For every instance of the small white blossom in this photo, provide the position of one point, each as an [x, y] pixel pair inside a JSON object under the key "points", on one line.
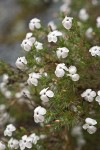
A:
{"points": [[33, 78], [89, 125], [25, 142], [34, 137], [8, 94], [5, 78], [98, 22], [72, 73], [30, 38], [26, 93], [46, 94], [83, 15], [27, 44], [39, 113], [98, 98], [9, 129], [67, 22], [37, 59], [38, 45], [34, 23], [62, 52], [52, 36], [60, 70], [95, 2], [21, 63], [65, 8], [52, 25], [88, 95], [13, 143], [2, 146], [95, 51], [89, 33]]}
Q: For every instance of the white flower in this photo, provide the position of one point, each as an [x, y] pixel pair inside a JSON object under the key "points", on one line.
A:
{"points": [[38, 45], [2, 146], [52, 25], [52, 36], [60, 70], [83, 15], [5, 78], [25, 142], [13, 143], [21, 63], [37, 59], [34, 137], [9, 129], [30, 38], [88, 95], [65, 8], [89, 125], [67, 22], [39, 113], [46, 94], [25, 92], [62, 52], [89, 32], [34, 23], [95, 50], [27, 44], [98, 97], [72, 73], [33, 78], [8, 94], [98, 22], [95, 2]]}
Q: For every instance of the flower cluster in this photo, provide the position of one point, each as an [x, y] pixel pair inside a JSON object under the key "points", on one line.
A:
{"points": [[61, 69], [71, 72], [23, 143]]}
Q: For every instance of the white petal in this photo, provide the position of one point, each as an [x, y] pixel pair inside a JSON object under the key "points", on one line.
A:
{"points": [[59, 54], [31, 26], [89, 98], [27, 48], [29, 145], [38, 25], [59, 73], [99, 93], [93, 93], [72, 69], [98, 99], [54, 39], [90, 121], [64, 54], [49, 93], [42, 111], [75, 77], [39, 119], [85, 126], [44, 98], [24, 137], [43, 91], [34, 81], [91, 129]]}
